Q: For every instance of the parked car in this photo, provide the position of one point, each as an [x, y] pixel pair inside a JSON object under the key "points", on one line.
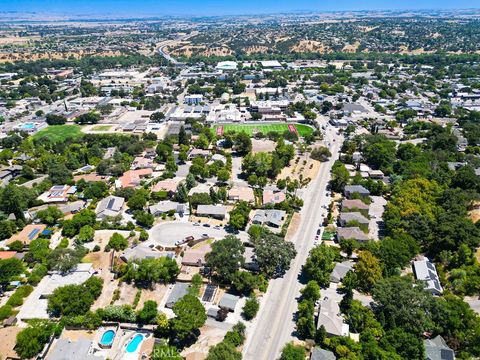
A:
{"points": [[206, 225]]}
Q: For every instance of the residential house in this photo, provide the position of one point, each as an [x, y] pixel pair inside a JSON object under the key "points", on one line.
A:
{"points": [[110, 206], [198, 153], [143, 251], [141, 162], [345, 218], [35, 306], [340, 270], [214, 211], [250, 259], [28, 234], [270, 197], [321, 354], [163, 207], [241, 193], [425, 271], [229, 302], [81, 349], [350, 190], [9, 173], [437, 349], [354, 204], [196, 256], [354, 233], [329, 316], [132, 178], [179, 291], [58, 193], [168, 185], [273, 218]]}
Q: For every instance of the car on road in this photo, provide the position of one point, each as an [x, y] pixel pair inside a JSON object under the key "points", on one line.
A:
{"points": [[196, 224], [217, 227], [316, 237], [318, 231], [206, 225]]}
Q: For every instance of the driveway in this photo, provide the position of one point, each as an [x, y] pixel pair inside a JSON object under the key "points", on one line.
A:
{"points": [[166, 234], [377, 207]]}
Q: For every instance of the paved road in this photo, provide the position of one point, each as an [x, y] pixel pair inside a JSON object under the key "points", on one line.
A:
{"points": [[275, 325]]}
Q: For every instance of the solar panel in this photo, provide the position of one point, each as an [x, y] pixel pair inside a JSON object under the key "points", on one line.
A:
{"points": [[209, 293], [110, 203], [32, 234]]}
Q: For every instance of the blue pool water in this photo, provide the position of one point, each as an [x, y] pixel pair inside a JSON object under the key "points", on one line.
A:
{"points": [[27, 126], [107, 338], [134, 343]]}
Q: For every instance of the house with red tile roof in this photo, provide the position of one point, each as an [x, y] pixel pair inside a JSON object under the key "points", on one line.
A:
{"points": [[132, 178]]}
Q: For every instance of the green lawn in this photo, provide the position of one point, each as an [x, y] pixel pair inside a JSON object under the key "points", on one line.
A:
{"points": [[59, 132], [265, 128], [101, 128]]}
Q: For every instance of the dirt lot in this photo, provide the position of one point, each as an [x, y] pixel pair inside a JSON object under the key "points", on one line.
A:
{"points": [[293, 227], [155, 294], [475, 213], [103, 236], [263, 145], [309, 170]]}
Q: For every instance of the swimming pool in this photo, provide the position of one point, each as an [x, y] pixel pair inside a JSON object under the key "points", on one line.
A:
{"points": [[27, 126], [107, 338], [135, 343]]}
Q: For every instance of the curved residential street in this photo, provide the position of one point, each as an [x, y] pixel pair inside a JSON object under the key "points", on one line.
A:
{"points": [[275, 325]]}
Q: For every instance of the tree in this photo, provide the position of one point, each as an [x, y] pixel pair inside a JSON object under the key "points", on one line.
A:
{"points": [[9, 268], [50, 215], [117, 242], [273, 254], [54, 119], [144, 218], [31, 340], [69, 300], [250, 308], [293, 352], [320, 263], [149, 312], [239, 215], [13, 199], [340, 177], [243, 143], [157, 116], [91, 117], [311, 292], [244, 282], [189, 316], [146, 272], [138, 200], [321, 154], [7, 229], [224, 351], [223, 175], [400, 304], [64, 260], [368, 271], [182, 136], [226, 258], [86, 234]]}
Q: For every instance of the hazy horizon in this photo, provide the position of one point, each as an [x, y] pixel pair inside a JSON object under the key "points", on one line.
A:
{"points": [[151, 8]]}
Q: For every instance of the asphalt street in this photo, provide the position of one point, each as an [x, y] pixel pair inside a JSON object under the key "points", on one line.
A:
{"points": [[275, 326]]}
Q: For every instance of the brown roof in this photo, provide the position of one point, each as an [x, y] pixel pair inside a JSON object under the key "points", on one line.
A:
{"points": [[132, 178], [354, 203], [7, 254], [29, 233], [196, 256]]}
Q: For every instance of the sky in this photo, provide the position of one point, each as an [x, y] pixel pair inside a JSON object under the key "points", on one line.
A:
{"points": [[221, 7]]}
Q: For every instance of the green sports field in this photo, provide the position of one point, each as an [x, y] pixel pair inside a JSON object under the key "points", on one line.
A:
{"points": [[57, 133], [250, 129]]}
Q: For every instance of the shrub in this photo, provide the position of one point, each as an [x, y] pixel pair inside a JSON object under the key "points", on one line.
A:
{"points": [[5, 312], [251, 308]]}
